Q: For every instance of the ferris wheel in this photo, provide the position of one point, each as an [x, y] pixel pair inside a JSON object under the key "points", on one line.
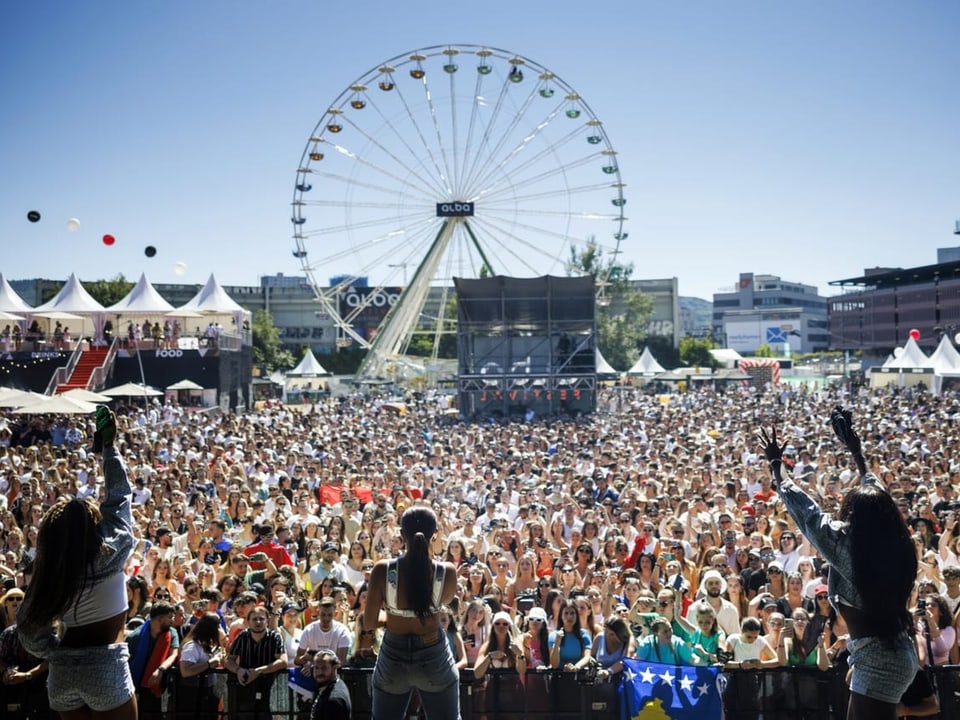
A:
{"points": [[450, 161]]}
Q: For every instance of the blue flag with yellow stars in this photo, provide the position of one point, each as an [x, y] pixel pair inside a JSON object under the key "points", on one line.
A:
{"points": [[651, 691]]}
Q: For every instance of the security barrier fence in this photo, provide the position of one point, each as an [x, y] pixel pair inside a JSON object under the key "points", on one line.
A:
{"points": [[777, 694]]}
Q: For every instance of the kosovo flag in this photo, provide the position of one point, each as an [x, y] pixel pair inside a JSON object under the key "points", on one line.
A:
{"points": [[678, 692]]}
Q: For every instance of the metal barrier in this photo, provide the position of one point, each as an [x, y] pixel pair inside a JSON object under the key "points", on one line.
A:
{"points": [[777, 694]]}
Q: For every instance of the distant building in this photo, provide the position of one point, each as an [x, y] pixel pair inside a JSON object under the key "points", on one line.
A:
{"points": [[876, 311], [767, 310], [696, 317]]}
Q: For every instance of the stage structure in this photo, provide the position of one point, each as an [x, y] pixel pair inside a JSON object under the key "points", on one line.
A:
{"points": [[526, 347]]}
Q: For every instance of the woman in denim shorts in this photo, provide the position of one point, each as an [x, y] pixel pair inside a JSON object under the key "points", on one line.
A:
{"points": [[873, 566], [414, 654]]}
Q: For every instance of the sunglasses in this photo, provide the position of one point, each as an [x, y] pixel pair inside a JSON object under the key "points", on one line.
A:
{"points": [[162, 596], [664, 603], [822, 597]]}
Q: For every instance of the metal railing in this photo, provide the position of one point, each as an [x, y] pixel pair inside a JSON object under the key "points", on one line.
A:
{"points": [[779, 694], [98, 378], [62, 374]]}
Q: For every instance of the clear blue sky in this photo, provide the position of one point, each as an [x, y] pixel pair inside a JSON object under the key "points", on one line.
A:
{"points": [[805, 139]]}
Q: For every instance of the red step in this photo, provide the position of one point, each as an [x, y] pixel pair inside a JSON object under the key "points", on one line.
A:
{"points": [[89, 361]]}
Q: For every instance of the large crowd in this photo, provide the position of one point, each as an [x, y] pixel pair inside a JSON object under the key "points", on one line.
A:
{"points": [[647, 529]]}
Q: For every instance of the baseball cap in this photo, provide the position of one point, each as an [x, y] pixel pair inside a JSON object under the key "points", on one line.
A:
{"points": [[821, 590], [329, 545], [288, 606]]}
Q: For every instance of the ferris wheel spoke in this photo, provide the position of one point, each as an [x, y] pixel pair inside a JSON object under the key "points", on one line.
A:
{"points": [[375, 142], [545, 154], [483, 169], [548, 174], [383, 171], [502, 198], [423, 140], [391, 192], [441, 146], [359, 225], [497, 235], [476, 103], [487, 133], [505, 227]]}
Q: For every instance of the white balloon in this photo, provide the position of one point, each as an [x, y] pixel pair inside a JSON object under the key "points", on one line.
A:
{"points": [[73, 224], [956, 338], [180, 268], [897, 352]]}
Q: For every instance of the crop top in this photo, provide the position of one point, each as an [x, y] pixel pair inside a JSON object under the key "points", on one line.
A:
{"points": [[106, 595], [439, 573]]}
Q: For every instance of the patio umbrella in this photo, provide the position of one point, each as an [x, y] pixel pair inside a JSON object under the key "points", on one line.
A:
{"points": [[86, 396], [11, 398], [185, 384], [56, 405], [132, 390]]}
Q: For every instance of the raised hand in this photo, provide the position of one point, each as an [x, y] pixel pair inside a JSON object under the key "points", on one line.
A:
{"points": [[772, 449], [842, 421]]}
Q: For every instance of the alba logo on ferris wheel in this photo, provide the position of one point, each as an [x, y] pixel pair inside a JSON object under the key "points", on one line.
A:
{"points": [[455, 209]]}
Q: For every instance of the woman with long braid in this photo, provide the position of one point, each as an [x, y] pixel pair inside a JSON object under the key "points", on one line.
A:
{"points": [[75, 608], [873, 566], [414, 653]]}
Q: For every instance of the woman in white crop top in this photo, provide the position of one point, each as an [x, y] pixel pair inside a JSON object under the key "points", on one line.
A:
{"points": [[414, 653], [84, 590]]}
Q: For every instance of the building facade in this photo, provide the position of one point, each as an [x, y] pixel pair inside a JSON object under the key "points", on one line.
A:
{"points": [[876, 312], [767, 310]]}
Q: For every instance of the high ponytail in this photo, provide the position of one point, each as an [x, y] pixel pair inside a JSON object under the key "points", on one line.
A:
{"points": [[418, 526]]}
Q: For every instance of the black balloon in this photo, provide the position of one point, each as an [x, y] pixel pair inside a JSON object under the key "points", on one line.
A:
{"points": [[150, 251], [33, 216]]}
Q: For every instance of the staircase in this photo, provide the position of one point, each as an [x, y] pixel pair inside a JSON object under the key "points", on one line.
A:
{"points": [[89, 361]]}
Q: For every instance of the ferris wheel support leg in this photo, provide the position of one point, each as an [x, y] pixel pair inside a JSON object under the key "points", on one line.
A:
{"points": [[403, 317]]}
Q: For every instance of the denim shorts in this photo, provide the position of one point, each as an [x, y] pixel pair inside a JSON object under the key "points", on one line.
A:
{"points": [[882, 671], [405, 664], [96, 677]]}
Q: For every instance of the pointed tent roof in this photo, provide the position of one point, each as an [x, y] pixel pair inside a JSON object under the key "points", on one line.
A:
{"points": [[646, 365], [603, 367], [911, 357], [9, 300], [212, 298], [143, 298], [308, 367], [945, 359], [72, 298]]}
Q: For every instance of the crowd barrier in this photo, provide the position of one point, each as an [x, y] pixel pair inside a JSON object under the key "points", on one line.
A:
{"points": [[777, 694]]}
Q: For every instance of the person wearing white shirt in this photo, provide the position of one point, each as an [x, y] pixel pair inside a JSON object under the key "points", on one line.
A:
{"points": [[325, 633]]}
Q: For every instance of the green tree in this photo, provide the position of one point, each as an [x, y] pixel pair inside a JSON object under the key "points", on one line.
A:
{"points": [[695, 352], [267, 349], [622, 310], [764, 351], [109, 292]]}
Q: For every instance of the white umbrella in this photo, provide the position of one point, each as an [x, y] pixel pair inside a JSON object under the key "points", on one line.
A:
{"points": [[185, 384], [86, 396], [10, 397], [56, 405], [132, 390]]}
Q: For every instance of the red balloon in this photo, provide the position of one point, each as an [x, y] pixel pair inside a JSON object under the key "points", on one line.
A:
{"points": [[109, 239], [915, 334]]}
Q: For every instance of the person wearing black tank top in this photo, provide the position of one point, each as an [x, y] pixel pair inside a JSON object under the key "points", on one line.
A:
{"points": [[414, 654]]}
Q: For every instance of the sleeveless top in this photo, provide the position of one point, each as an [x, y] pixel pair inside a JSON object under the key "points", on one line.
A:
{"points": [[391, 591]]}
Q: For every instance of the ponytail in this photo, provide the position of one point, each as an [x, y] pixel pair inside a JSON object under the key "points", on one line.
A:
{"points": [[418, 526]]}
